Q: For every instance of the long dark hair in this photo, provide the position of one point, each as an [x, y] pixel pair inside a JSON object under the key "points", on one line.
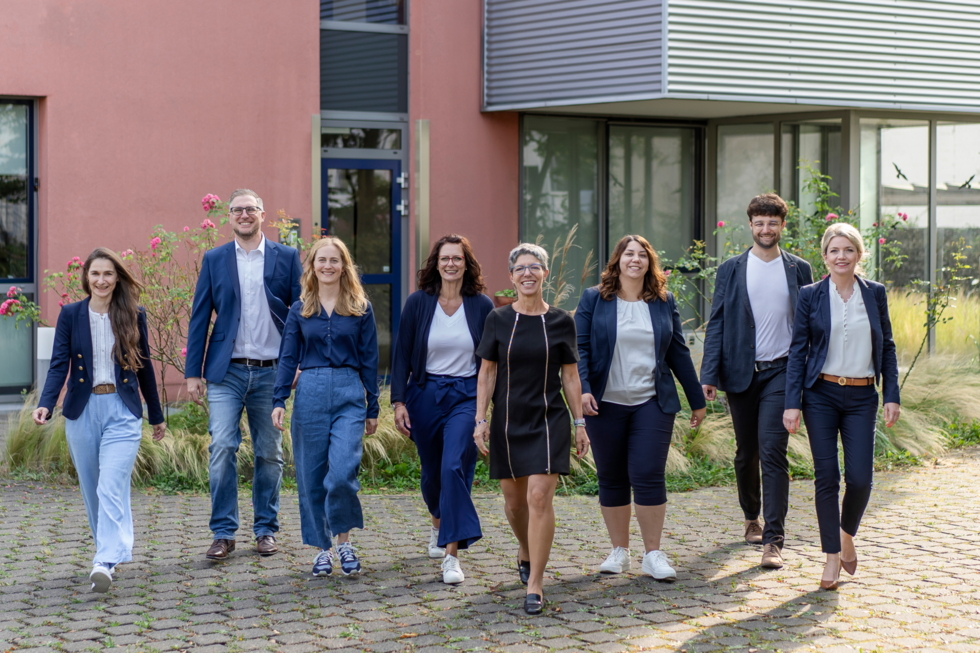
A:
{"points": [[428, 276], [654, 281], [123, 308]]}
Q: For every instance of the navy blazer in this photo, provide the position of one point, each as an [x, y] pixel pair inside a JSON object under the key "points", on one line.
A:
{"points": [[218, 291], [596, 321], [729, 339], [412, 347], [72, 358], [811, 339]]}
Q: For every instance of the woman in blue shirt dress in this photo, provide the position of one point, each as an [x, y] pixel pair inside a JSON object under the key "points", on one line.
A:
{"points": [[331, 337]]}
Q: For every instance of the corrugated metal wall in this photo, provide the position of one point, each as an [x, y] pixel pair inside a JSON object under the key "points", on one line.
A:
{"points": [[896, 53], [540, 51]]}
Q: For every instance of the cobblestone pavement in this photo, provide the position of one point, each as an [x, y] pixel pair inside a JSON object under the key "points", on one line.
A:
{"points": [[917, 586]]}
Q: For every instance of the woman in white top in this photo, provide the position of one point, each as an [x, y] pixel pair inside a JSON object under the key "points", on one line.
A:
{"points": [[842, 345], [102, 348], [629, 342], [433, 390]]}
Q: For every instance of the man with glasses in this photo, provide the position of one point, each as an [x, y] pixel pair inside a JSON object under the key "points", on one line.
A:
{"points": [[249, 285], [746, 345]]}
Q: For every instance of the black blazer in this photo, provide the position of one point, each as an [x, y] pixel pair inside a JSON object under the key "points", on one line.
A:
{"points": [[595, 322], [811, 339], [729, 340], [412, 346], [218, 291], [72, 358]]}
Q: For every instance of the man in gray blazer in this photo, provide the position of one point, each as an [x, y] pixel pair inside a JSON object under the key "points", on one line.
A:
{"points": [[746, 345]]}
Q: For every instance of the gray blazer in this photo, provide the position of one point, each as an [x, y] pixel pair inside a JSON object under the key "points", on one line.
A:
{"points": [[729, 340]]}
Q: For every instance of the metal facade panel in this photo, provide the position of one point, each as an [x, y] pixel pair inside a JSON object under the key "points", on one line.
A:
{"points": [[539, 51], [871, 53]]}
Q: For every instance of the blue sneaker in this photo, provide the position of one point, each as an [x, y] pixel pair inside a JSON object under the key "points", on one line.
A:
{"points": [[323, 563], [349, 563]]}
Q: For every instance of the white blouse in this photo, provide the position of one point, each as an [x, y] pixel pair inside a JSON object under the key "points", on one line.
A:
{"points": [[631, 379], [451, 349], [849, 350], [103, 340]]}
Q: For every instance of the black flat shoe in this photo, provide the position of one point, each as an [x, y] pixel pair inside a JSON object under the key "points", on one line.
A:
{"points": [[533, 604], [524, 569]]}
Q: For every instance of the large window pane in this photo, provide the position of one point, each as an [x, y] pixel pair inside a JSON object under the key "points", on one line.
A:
{"points": [[745, 169], [895, 179], [363, 71], [805, 147], [560, 191], [651, 186], [391, 12], [359, 213], [14, 187]]}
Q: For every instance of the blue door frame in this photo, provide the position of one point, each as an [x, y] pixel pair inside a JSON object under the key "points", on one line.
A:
{"points": [[393, 278]]}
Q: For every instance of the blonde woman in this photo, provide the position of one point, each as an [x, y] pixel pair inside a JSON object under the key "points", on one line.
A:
{"points": [[330, 335], [842, 345]]}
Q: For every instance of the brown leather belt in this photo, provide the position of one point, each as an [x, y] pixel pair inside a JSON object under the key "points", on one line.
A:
{"points": [[843, 380], [104, 389]]}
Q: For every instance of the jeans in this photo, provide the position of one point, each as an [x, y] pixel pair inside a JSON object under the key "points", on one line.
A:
{"points": [[244, 388], [327, 429], [852, 411], [760, 438], [630, 445], [442, 415], [103, 443]]}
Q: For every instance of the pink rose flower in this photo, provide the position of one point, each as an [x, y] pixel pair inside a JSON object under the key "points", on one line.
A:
{"points": [[881, 241], [904, 216], [186, 229], [183, 352], [667, 273], [209, 201], [832, 216], [61, 304], [207, 224], [155, 242], [64, 295], [874, 224], [126, 253], [12, 292], [721, 223]]}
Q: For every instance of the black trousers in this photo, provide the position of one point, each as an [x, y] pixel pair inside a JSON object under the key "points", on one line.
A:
{"points": [[852, 411], [761, 441]]}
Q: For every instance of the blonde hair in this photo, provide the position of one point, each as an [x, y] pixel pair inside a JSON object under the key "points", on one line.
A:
{"points": [[852, 234], [352, 299]]}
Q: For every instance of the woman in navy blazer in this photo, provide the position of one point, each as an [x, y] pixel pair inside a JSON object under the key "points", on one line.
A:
{"points": [[101, 346], [433, 390], [842, 345], [629, 342]]}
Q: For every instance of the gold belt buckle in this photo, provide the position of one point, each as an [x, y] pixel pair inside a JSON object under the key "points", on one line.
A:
{"points": [[841, 381]]}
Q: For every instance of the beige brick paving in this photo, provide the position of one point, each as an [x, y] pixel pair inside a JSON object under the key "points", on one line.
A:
{"points": [[917, 588]]}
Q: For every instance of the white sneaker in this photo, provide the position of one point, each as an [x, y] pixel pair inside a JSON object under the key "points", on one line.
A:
{"points": [[656, 564], [101, 578], [617, 562], [435, 551], [451, 572]]}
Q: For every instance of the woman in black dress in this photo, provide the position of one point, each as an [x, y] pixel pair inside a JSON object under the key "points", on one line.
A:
{"points": [[529, 358]]}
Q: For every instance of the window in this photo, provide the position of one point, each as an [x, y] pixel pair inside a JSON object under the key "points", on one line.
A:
{"points": [[745, 169], [363, 71], [15, 223], [388, 12]]}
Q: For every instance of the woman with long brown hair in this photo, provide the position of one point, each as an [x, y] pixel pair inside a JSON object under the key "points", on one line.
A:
{"points": [[630, 342], [101, 346], [330, 335], [433, 390]]}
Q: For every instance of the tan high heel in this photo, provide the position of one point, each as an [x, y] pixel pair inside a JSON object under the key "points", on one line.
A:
{"points": [[831, 584], [850, 566]]}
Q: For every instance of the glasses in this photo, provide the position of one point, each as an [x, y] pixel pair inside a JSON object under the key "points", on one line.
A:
{"points": [[535, 268], [446, 260], [251, 210]]}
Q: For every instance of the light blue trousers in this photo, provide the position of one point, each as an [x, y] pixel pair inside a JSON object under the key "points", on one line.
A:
{"points": [[103, 443]]}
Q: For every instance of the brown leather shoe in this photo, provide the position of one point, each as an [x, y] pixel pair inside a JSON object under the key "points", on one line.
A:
{"points": [[772, 557], [220, 549], [266, 545], [753, 532]]}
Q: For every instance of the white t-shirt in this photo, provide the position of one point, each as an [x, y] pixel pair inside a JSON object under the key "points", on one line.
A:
{"points": [[631, 380], [451, 349], [849, 349], [771, 311]]}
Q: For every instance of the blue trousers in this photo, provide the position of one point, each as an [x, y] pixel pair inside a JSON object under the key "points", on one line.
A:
{"points": [[442, 415], [630, 446], [851, 411], [103, 443], [327, 429], [250, 389]]}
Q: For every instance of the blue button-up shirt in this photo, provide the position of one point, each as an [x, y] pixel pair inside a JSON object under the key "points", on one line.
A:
{"points": [[329, 341]]}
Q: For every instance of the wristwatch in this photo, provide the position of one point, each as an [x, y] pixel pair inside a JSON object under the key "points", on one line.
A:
{"points": [[579, 422]]}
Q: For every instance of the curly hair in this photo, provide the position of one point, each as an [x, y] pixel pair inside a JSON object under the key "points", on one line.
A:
{"points": [[123, 308], [654, 281], [352, 299], [430, 280]]}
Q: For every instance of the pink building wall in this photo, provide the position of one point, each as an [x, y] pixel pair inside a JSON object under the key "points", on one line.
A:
{"points": [[474, 157], [145, 107]]}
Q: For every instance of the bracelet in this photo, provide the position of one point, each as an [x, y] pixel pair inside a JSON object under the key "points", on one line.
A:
{"points": [[579, 422], [396, 404], [481, 422]]}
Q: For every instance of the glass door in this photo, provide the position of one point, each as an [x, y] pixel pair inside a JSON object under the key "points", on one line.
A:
{"points": [[363, 208]]}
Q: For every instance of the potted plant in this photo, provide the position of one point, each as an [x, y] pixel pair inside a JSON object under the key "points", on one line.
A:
{"points": [[504, 297]]}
